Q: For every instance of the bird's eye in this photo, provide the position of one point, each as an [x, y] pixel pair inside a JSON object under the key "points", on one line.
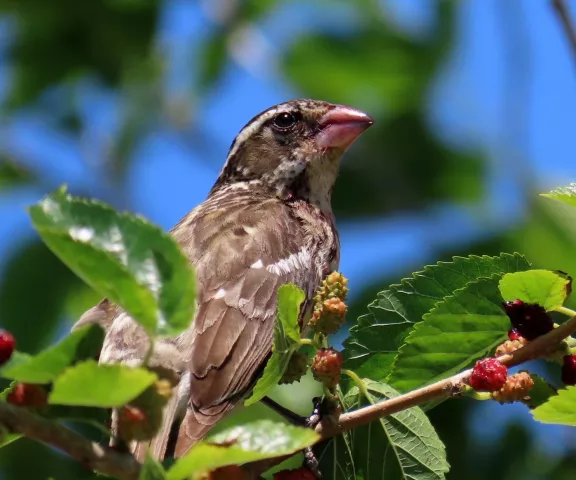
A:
{"points": [[286, 120]]}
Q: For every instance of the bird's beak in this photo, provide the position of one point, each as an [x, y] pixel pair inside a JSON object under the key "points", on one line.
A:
{"points": [[341, 126]]}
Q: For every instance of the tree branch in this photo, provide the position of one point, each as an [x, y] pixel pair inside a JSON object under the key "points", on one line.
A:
{"points": [[125, 467], [564, 16], [448, 387], [91, 455]]}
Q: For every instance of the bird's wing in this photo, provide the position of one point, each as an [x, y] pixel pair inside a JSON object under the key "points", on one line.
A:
{"points": [[255, 248], [243, 249]]}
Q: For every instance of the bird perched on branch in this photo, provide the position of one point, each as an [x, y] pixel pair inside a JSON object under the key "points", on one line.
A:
{"points": [[267, 221]]}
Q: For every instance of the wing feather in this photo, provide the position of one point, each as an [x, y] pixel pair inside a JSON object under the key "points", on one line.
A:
{"points": [[243, 249], [240, 270]]}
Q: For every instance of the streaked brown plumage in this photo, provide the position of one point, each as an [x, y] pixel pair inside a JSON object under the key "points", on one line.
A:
{"points": [[266, 222]]}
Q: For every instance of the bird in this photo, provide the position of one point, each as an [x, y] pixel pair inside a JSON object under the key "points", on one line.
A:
{"points": [[266, 221]]}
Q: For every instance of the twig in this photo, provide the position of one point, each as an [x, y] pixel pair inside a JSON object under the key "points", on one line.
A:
{"points": [[288, 414], [89, 454], [444, 388], [125, 467], [568, 26]]}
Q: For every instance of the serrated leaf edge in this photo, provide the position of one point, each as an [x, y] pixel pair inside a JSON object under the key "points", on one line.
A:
{"points": [[420, 325]]}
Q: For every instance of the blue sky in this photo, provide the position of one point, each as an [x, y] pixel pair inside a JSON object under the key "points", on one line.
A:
{"points": [[468, 105]]}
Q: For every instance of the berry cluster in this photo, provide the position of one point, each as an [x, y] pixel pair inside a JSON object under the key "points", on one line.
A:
{"points": [[28, 395], [529, 320], [21, 394], [297, 367], [515, 389], [328, 316], [488, 375], [329, 307], [510, 346], [142, 418], [326, 367]]}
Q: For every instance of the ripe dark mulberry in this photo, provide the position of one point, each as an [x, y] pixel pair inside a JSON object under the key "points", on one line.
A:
{"points": [[569, 370], [529, 319], [488, 375], [7, 345]]}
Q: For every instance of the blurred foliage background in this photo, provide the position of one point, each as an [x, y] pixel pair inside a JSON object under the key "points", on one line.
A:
{"points": [[136, 101]]}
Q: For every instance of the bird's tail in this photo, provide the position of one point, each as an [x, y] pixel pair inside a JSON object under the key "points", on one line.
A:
{"points": [[158, 446], [181, 428], [197, 424]]}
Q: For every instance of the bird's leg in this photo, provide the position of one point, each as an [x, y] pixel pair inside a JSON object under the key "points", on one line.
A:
{"points": [[309, 457], [288, 414], [324, 407]]}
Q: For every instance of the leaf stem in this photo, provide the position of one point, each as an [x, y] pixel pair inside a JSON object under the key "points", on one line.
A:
{"points": [[470, 392], [446, 388], [328, 394], [308, 341], [360, 384], [320, 340], [566, 311]]}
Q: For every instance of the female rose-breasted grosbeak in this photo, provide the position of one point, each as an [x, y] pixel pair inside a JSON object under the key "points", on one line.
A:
{"points": [[267, 221]]}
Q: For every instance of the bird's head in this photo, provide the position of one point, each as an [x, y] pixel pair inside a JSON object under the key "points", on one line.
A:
{"points": [[293, 150]]}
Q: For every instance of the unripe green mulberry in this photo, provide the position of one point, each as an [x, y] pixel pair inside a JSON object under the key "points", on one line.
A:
{"points": [[297, 368], [329, 307]]}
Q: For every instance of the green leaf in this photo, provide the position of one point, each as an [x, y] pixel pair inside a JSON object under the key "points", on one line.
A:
{"points": [[541, 392], [32, 267], [123, 257], [563, 194], [336, 458], [546, 288], [403, 445], [374, 342], [152, 470], [560, 409], [286, 340], [242, 444], [6, 437], [81, 344], [460, 329], [91, 385]]}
